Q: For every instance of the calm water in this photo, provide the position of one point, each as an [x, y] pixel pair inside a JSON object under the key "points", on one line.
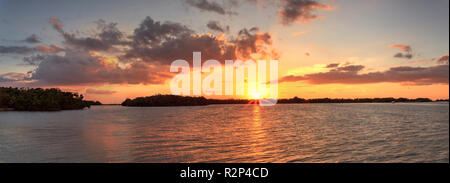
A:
{"points": [[230, 133]]}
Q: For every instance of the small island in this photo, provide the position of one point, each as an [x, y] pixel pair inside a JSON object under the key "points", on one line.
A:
{"points": [[38, 99], [165, 100]]}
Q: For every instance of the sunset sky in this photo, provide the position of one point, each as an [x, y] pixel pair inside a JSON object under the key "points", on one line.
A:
{"points": [[110, 50]]}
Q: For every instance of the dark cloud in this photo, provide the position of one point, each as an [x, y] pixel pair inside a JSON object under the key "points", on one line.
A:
{"points": [[32, 39], [251, 41], [141, 58], [16, 50], [87, 43], [28, 50], [34, 59], [215, 26], [349, 68], [152, 32], [109, 35], [332, 65], [182, 48], [163, 42], [406, 51], [99, 92], [290, 10], [81, 68], [351, 75], [211, 6], [403, 55], [300, 11], [155, 42]]}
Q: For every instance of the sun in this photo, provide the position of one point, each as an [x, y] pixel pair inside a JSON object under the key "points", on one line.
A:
{"points": [[256, 96]]}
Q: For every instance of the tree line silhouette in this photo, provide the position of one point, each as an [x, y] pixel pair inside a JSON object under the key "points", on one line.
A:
{"points": [[175, 100], [165, 100], [356, 100], [38, 99]]}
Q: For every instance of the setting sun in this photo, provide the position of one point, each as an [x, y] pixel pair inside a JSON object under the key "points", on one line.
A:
{"points": [[256, 96]]}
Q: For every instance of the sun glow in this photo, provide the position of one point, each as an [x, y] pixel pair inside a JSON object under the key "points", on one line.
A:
{"points": [[256, 96]]}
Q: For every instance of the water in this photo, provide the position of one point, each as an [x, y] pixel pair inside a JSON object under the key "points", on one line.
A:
{"points": [[417, 132]]}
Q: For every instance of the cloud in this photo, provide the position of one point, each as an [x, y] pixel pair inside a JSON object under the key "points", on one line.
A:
{"points": [[34, 59], [405, 48], [401, 47], [351, 75], [152, 32], [403, 55], [443, 59], [99, 92], [57, 25], [32, 39], [162, 43], [23, 50], [76, 67], [251, 41], [290, 11], [210, 6], [215, 26], [109, 35], [53, 48], [332, 65], [182, 48], [300, 11], [349, 68], [16, 50], [143, 57], [13, 76]]}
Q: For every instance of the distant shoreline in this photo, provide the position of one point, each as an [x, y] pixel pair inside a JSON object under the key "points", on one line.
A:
{"points": [[12, 109], [37, 99], [173, 100], [3, 109]]}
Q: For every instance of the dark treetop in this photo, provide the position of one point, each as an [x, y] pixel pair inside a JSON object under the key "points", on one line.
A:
{"points": [[165, 100], [38, 99]]}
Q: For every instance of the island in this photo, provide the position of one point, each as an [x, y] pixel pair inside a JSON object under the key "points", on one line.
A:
{"points": [[165, 100], [38, 99]]}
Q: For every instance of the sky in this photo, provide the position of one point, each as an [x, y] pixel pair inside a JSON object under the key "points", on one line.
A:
{"points": [[110, 50]]}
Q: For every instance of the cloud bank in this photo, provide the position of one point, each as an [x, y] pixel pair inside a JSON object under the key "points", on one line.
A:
{"points": [[438, 74], [111, 56]]}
